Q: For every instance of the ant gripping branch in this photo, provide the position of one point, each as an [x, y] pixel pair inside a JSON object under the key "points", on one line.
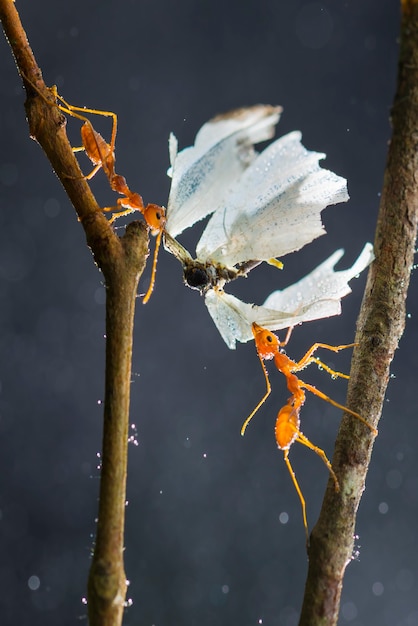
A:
{"points": [[102, 155], [287, 428], [269, 347]]}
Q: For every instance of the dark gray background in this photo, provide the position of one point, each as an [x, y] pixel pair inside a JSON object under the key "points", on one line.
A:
{"points": [[205, 544]]}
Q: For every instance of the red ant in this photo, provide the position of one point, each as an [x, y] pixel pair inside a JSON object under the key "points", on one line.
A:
{"points": [[102, 155], [269, 347], [287, 429]]}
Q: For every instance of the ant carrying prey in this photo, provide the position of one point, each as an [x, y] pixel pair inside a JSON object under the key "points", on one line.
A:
{"points": [[287, 428], [102, 155]]}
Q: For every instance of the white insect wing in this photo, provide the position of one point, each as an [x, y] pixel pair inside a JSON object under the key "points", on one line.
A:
{"points": [[263, 206], [203, 174], [275, 208], [315, 296]]}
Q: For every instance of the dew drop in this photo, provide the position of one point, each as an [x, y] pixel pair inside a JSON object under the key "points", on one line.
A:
{"points": [[349, 611], [377, 588], [34, 583], [133, 438], [383, 508], [283, 517]]}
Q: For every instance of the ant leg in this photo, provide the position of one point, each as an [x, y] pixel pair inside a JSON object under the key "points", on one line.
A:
{"points": [[93, 144], [263, 399], [93, 171], [299, 492], [70, 109], [284, 343], [305, 441], [154, 268], [307, 358], [97, 149], [100, 153], [324, 366], [126, 205], [321, 395], [115, 216]]}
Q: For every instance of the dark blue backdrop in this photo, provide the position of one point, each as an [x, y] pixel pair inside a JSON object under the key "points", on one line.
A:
{"points": [[206, 542]]}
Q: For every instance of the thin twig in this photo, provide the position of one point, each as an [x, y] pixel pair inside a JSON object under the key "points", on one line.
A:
{"points": [[122, 261], [379, 328]]}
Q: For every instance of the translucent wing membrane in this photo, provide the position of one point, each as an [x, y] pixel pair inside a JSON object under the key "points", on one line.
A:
{"points": [[323, 284], [315, 296], [275, 209], [262, 206], [203, 174]]}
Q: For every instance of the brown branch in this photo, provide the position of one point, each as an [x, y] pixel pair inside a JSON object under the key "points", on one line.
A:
{"points": [[379, 328], [122, 262], [107, 580]]}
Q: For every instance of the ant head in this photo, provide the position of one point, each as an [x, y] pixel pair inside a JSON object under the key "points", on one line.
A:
{"points": [[267, 343], [155, 217]]}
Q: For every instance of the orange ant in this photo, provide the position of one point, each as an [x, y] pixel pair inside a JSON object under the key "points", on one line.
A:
{"points": [[287, 426], [269, 347], [102, 155], [287, 431]]}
